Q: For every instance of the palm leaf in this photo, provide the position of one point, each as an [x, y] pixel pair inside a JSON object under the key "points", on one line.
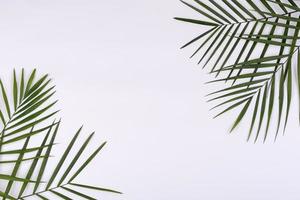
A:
{"points": [[268, 27], [25, 119]]}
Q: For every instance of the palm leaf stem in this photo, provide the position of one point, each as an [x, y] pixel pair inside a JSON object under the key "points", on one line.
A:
{"points": [[260, 19]]}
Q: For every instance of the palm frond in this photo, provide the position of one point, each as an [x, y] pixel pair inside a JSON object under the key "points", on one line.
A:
{"points": [[252, 47], [27, 118]]}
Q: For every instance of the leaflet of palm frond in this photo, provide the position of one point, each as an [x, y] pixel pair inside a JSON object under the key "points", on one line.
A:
{"points": [[225, 48], [222, 40], [250, 52], [267, 45], [242, 49], [232, 50]]}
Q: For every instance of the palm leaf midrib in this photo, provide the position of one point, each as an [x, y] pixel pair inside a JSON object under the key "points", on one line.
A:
{"points": [[221, 24], [259, 19]]}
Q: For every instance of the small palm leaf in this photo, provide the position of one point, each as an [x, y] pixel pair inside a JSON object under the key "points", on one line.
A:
{"points": [[251, 46], [24, 120]]}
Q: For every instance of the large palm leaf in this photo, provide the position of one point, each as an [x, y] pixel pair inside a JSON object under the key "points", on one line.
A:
{"points": [[24, 120], [252, 46]]}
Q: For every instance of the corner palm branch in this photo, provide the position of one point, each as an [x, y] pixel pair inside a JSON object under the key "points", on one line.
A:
{"points": [[253, 48], [24, 120]]}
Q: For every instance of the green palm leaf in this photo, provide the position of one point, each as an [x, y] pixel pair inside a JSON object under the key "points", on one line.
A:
{"points": [[252, 46], [26, 118]]}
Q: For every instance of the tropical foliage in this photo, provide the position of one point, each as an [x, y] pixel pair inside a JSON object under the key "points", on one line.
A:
{"points": [[253, 48], [27, 140]]}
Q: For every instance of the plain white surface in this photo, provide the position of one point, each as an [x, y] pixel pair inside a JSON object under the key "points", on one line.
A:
{"points": [[119, 71]]}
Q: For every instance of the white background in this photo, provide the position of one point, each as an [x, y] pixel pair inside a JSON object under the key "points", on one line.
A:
{"points": [[119, 71]]}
